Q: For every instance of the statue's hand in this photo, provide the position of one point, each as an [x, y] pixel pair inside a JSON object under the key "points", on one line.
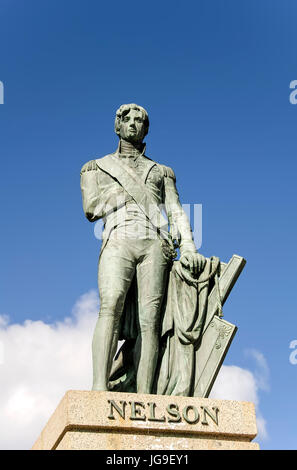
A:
{"points": [[193, 261]]}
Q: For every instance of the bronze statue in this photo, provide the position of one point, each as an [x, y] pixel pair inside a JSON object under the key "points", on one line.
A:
{"points": [[140, 284]]}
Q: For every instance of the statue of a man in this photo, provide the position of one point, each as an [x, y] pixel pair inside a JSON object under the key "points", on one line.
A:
{"points": [[128, 190]]}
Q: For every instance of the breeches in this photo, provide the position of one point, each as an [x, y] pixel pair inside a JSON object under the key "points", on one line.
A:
{"points": [[119, 262]]}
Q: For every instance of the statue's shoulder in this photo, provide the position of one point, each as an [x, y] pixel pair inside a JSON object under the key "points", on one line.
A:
{"points": [[167, 171], [95, 164], [106, 158], [89, 166]]}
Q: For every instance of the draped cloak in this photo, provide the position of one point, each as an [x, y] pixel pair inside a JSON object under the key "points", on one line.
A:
{"points": [[182, 319]]}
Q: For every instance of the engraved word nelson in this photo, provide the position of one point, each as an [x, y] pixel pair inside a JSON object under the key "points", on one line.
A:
{"points": [[140, 411]]}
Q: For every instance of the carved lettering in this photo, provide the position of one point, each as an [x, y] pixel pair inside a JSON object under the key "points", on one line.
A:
{"points": [[189, 413], [173, 411], [136, 411], [194, 411], [121, 411], [206, 411], [152, 415]]}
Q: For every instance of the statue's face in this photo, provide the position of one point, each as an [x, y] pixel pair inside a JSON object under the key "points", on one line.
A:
{"points": [[132, 126]]}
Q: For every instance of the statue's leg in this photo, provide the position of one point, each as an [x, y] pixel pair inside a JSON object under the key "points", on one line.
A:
{"points": [[152, 274], [116, 271]]}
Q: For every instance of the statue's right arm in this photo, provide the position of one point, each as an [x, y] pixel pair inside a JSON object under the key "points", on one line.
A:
{"points": [[90, 191]]}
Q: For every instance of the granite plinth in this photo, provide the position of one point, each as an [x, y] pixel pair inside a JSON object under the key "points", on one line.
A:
{"points": [[128, 421]]}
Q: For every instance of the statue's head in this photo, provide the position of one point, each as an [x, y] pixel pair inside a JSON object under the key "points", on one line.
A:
{"points": [[131, 123]]}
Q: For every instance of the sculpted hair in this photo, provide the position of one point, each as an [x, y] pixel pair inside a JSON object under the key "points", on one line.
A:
{"points": [[125, 109]]}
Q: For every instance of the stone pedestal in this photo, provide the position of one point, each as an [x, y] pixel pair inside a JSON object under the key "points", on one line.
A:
{"points": [[121, 421]]}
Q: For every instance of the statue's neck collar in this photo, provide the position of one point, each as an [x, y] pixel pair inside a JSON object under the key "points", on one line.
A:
{"points": [[127, 148]]}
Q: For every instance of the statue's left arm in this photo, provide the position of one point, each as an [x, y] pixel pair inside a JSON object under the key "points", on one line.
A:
{"points": [[180, 228]]}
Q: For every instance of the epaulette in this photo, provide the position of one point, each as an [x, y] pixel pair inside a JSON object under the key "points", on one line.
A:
{"points": [[168, 172], [89, 166]]}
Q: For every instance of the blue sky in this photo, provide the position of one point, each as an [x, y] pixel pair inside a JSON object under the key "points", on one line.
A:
{"points": [[214, 77]]}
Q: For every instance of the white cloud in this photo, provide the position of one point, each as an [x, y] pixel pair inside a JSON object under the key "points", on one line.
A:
{"points": [[235, 383], [262, 370], [4, 320], [41, 361]]}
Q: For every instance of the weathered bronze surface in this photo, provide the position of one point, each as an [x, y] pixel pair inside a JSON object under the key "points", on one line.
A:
{"points": [[167, 311]]}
